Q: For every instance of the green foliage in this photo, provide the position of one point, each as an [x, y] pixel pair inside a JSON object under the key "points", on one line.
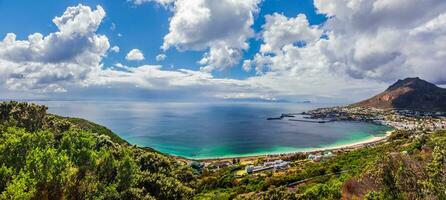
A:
{"points": [[45, 156], [279, 193], [384, 172], [399, 135], [214, 195], [28, 116], [417, 144], [22, 187], [107, 167], [128, 172], [327, 190], [436, 173], [377, 196], [5, 176], [389, 183], [417, 175], [49, 157], [95, 128], [51, 171], [165, 187]]}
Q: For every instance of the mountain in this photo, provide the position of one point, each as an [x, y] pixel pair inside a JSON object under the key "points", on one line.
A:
{"points": [[410, 93]]}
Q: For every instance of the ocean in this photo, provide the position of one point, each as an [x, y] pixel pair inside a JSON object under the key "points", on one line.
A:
{"points": [[212, 130]]}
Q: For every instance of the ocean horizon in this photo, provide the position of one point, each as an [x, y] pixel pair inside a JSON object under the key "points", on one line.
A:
{"points": [[217, 130]]}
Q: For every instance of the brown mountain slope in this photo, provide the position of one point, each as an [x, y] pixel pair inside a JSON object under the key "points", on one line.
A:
{"points": [[410, 93]]}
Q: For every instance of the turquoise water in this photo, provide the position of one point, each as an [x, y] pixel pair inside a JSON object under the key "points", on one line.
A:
{"points": [[209, 130]]}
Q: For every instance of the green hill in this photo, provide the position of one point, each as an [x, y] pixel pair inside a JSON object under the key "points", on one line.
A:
{"points": [[44, 156]]}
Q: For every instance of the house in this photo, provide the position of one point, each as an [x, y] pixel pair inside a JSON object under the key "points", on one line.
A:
{"points": [[276, 165], [221, 164], [319, 156]]}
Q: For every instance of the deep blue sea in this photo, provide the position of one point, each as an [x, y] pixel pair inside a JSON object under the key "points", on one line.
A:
{"points": [[209, 130]]}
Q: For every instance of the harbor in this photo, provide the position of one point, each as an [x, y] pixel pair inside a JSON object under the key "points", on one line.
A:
{"points": [[299, 117]]}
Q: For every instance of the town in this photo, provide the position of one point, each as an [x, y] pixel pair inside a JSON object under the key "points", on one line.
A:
{"points": [[407, 120], [397, 119]]}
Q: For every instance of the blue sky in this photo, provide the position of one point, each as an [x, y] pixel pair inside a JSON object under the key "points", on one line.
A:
{"points": [[142, 27], [290, 50]]}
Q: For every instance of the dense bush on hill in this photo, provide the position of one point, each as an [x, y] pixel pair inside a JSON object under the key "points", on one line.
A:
{"points": [[409, 166], [45, 156]]}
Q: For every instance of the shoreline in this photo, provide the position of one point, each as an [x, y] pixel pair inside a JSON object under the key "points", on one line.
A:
{"points": [[340, 147]]}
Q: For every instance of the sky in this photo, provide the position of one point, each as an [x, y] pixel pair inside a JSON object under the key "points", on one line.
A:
{"points": [[212, 50]]}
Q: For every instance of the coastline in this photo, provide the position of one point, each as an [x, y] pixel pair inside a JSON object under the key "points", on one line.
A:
{"points": [[271, 152], [340, 147]]}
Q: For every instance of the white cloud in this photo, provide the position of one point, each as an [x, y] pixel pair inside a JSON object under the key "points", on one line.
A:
{"points": [[386, 40], [362, 41], [160, 57], [220, 57], [222, 27], [247, 64], [40, 64], [162, 2], [433, 27], [290, 47], [362, 44], [280, 31], [134, 55], [115, 49], [79, 20], [44, 63]]}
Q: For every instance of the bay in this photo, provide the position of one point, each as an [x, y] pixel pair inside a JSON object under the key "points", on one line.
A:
{"points": [[211, 130]]}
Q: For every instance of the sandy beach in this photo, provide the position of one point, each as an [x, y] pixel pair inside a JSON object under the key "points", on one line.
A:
{"points": [[346, 147]]}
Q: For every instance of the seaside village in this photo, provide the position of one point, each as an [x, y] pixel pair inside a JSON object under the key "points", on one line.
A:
{"points": [[397, 119], [263, 164]]}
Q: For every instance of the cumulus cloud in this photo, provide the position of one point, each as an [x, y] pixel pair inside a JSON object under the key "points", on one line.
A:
{"points": [[220, 57], [115, 49], [361, 47], [280, 31], [386, 40], [160, 57], [290, 47], [375, 41], [221, 27], [134, 55], [45, 63], [79, 19]]}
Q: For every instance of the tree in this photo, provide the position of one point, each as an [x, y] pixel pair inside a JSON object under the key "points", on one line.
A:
{"points": [[22, 187], [435, 169], [127, 172], [51, 170], [50, 157], [107, 167]]}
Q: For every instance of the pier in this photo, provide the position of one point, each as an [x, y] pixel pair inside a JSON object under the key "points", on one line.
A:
{"points": [[300, 119], [312, 121]]}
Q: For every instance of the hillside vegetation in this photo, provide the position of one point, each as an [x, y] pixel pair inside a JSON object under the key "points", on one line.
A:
{"points": [[409, 166], [44, 156]]}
